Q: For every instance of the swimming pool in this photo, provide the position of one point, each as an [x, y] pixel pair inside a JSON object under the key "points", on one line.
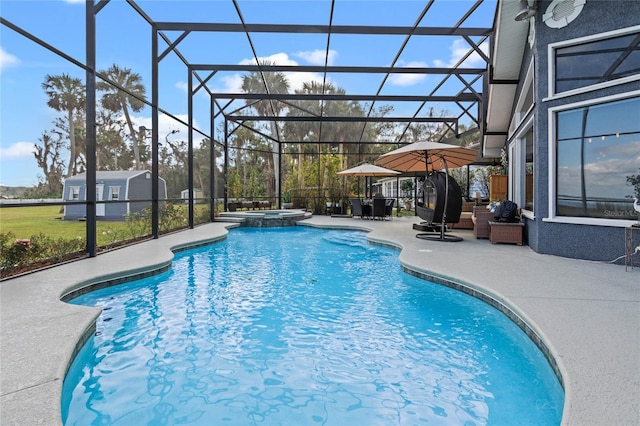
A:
{"points": [[302, 326]]}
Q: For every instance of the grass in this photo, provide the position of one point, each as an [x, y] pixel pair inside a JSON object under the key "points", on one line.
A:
{"points": [[53, 240], [404, 212], [24, 222]]}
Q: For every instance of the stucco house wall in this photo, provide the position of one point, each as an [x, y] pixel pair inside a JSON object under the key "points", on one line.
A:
{"points": [[583, 241]]}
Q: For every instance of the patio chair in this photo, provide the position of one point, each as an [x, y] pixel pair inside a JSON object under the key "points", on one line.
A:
{"points": [[388, 207], [379, 208], [481, 217], [436, 217], [356, 207], [433, 216]]}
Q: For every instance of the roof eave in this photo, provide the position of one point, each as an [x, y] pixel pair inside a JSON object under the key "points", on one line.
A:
{"points": [[510, 38]]}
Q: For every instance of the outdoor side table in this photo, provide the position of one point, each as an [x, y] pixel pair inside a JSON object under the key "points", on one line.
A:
{"points": [[506, 232]]}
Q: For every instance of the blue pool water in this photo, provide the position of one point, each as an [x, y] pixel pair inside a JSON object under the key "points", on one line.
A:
{"points": [[298, 326]]}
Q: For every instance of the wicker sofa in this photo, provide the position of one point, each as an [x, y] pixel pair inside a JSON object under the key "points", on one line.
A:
{"points": [[466, 220]]}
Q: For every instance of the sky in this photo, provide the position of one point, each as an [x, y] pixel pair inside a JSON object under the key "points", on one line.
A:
{"points": [[124, 38]]}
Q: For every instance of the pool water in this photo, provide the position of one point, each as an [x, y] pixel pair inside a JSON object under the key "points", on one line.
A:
{"points": [[299, 326]]}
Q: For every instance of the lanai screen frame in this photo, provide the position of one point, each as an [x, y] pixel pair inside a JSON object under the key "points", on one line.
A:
{"points": [[467, 76]]}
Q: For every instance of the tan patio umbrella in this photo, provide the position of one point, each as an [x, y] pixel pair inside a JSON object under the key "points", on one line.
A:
{"points": [[368, 170], [429, 156]]}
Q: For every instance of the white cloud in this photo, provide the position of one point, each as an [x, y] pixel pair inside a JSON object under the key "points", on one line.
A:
{"points": [[602, 181], [458, 49], [18, 150], [277, 59], [408, 79], [316, 57], [232, 83], [7, 59], [296, 79], [74, 1]]}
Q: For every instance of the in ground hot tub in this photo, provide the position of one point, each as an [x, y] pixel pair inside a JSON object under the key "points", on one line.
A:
{"points": [[266, 218]]}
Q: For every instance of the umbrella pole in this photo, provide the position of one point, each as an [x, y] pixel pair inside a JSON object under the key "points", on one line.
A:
{"points": [[397, 197], [446, 198], [426, 176]]}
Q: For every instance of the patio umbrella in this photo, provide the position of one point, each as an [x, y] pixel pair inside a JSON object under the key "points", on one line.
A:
{"points": [[368, 170], [429, 156]]}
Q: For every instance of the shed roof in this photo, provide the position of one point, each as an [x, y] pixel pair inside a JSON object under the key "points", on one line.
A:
{"points": [[109, 174]]}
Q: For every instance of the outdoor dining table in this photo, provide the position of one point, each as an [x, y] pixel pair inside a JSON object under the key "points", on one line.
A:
{"points": [[367, 207]]}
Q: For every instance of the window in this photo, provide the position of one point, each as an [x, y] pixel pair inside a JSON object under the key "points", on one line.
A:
{"points": [[521, 149], [390, 188], [598, 147], [525, 100], [611, 58], [74, 193], [521, 168], [114, 192]]}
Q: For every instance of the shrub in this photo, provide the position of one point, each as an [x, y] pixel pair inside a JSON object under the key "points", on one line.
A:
{"points": [[172, 217], [138, 223], [40, 249], [12, 254], [55, 250]]}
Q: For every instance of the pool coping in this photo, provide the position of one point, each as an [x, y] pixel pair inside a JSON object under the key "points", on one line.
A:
{"points": [[40, 333]]}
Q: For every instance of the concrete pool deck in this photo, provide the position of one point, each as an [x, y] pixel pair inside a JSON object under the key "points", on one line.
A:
{"points": [[587, 314]]}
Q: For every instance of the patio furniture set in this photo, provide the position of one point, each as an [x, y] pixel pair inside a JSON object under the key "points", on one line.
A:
{"points": [[234, 205], [480, 219], [375, 208]]}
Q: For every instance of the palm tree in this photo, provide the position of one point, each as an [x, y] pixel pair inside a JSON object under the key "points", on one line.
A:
{"points": [[116, 100], [66, 94], [111, 150], [276, 82], [243, 137], [298, 132]]}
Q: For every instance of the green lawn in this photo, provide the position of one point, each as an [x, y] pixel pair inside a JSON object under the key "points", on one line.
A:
{"points": [[25, 222], [64, 239]]}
